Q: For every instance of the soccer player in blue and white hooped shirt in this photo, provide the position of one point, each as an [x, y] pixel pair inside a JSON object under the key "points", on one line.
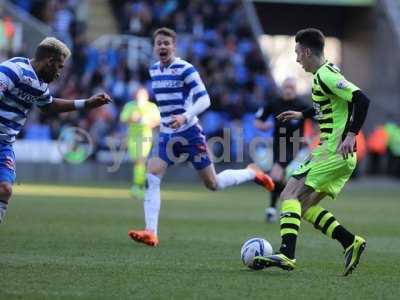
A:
{"points": [[181, 96], [24, 83]]}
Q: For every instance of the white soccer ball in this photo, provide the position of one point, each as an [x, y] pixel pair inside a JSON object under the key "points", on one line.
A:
{"points": [[252, 248]]}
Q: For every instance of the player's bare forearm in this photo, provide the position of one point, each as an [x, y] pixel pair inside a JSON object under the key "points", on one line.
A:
{"points": [[59, 106], [62, 105]]}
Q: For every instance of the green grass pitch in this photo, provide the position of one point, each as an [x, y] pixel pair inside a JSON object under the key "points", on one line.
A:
{"points": [[72, 243]]}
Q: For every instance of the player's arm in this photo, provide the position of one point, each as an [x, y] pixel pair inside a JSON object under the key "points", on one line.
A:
{"points": [[334, 84], [261, 116], [360, 110], [57, 105], [201, 100]]}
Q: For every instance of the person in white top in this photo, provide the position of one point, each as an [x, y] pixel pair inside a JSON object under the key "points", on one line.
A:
{"points": [[181, 96]]}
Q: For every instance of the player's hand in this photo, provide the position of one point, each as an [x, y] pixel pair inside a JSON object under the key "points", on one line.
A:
{"points": [[177, 121], [289, 115], [98, 100], [346, 148]]}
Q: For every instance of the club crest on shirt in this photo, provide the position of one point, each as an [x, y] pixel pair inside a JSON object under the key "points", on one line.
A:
{"points": [[342, 84]]}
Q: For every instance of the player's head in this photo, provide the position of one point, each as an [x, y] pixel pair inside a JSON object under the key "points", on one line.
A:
{"points": [[165, 44], [289, 91], [310, 44], [142, 96], [50, 56]]}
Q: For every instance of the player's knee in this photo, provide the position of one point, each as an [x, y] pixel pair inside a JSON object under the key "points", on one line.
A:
{"points": [[155, 168], [5, 191], [304, 208], [288, 194]]}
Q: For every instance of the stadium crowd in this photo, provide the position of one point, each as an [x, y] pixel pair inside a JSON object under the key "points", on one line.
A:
{"points": [[213, 38], [216, 41]]}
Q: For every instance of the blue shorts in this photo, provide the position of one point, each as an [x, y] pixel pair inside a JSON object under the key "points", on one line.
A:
{"points": [[189, 145], [7, 163]]}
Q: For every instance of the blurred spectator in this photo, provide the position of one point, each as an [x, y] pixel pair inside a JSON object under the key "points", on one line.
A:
{"points": [[214, 37]]}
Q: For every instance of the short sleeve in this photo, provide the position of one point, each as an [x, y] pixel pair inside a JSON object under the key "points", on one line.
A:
{"points": [[45, 99], [333, 83], [193, 81], [9, 77]]}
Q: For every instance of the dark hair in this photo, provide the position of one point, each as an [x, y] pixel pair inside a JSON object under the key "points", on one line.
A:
{"points": [[165, 31], [311, 38]]}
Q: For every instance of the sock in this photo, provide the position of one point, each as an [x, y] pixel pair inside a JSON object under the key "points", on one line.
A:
{"points": [[276, 193], [139, 174], [3, 209], [290, 225], [324, 221], [234, 177], [152, 203]]}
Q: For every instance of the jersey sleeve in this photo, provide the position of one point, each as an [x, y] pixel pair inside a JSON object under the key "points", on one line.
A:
{"points": [[10, 75], [194, 83], [334, 83], [45, 99]]}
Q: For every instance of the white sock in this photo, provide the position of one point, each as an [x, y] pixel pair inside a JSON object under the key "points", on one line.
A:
{"points": [[3, 209], [152, 203], [234, 177]]}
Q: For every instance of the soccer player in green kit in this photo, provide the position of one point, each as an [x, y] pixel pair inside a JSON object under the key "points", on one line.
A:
{"points": [[340, 108], [141, 116]]}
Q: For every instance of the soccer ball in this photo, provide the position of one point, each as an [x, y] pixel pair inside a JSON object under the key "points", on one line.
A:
{"points": [[252, 248]]}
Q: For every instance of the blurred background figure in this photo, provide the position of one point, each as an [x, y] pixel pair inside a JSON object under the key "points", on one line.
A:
{"points": [[141, 116], [287, 138]]}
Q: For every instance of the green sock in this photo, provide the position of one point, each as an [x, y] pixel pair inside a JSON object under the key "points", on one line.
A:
{"points": [[290, 225], [139, 174], [324, 221]]}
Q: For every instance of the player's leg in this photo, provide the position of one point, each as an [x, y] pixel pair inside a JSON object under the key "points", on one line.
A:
{"points": [[199, 155], [133, 153], [155, 171], [224, 179], [277, 175], [139, 180], [231, 177], [328, 176], [290, 221], [324, 221], [5, 196], [272, 212], [7, 178]]}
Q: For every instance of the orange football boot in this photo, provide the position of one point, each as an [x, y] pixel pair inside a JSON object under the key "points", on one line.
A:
{"points": [[262, 178], [144, 236]]}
